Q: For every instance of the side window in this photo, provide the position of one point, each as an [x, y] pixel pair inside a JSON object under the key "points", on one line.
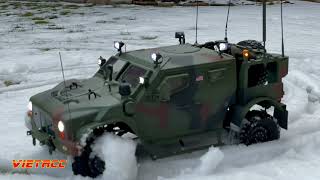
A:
{"points": [[172, 85], [260, 75], [272, 69]]}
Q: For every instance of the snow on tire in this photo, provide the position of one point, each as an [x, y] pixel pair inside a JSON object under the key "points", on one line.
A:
{"points": [[119, 156]]}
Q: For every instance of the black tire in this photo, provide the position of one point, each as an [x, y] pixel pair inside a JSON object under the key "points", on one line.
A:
{"points": [[79, 166], [253, 44], [87, 165], [261, 127]]}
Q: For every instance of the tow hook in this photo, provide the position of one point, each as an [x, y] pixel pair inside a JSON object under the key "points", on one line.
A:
{"points": [[34, 142], [51, 146]]}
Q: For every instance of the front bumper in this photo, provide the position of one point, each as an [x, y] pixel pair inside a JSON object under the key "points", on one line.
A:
{"points": [[52, 141]]}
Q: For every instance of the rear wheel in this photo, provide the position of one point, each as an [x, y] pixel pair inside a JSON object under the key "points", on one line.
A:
{"points": [[259, 127]]}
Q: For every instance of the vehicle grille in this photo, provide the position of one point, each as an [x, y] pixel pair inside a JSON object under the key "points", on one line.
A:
{"points": [[42, 120]]}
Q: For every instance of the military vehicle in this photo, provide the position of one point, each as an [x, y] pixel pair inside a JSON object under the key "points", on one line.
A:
{"points": [[174, 99]]}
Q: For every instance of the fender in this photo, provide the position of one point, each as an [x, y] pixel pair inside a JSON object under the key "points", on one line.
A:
{"points": [[239, 112], [103, 119]]}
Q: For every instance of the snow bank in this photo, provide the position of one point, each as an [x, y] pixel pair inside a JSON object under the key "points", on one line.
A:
{"points": [[295, 156], [210, 161], [13, 75], [119, 156]]}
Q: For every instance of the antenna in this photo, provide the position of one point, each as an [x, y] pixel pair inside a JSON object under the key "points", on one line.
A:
{"points": [[64, 80], [226, 29], [65, 85], [264, 26], [197, 22], [282, 43]]}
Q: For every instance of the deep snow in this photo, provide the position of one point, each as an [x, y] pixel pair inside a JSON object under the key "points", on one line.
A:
{"points": [[29, 54]]}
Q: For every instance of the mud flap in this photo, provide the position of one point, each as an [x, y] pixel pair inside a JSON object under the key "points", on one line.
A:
{"points": [[282, 116]]}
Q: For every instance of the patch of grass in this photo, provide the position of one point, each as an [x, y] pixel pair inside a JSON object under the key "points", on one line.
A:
{"points": [[7, 83], [38, 18], [10, 83], [52, 17], [81, 13], [75, 30], [148, 37], [101, 21], [45, 49], [71, 6], [54, 27], [125, 33], [17, 28], [16, 5], [27, 14], [40, 22], [116, 18], [89, 5], [65, 12], [4, 6]]}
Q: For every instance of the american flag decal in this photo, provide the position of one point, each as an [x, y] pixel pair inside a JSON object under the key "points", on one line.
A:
{"points": [[199, 78]]}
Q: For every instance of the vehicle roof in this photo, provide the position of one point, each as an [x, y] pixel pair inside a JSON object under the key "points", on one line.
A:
{"points": [[176, 56]]}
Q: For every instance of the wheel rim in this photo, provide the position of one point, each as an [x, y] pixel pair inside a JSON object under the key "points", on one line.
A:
{"points": [[260, 134]]}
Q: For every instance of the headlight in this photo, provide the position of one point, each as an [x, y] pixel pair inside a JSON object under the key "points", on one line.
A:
{"points": [[223, 46], [60, 126], [30, 106], [245, 53]]}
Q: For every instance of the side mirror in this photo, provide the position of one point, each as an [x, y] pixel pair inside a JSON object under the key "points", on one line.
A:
{"points": [[124, 89]]}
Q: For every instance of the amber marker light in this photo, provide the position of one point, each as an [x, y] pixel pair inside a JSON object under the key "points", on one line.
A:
{"points": [[29, 113], [61, 134], [245, 53]]}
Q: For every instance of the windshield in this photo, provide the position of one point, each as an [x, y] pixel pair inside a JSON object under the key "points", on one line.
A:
{"points": [[122, 71], [117, 66]]}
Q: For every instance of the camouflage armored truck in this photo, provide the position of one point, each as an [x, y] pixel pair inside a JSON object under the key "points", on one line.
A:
{"points": [[174, 99]]}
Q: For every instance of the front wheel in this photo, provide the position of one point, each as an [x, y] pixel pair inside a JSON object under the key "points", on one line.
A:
{"points": [[259, 127], [85, 165], [89, 164]]}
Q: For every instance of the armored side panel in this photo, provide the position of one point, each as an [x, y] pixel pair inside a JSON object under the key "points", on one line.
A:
{"points": [[189, 95], [262, 78]]}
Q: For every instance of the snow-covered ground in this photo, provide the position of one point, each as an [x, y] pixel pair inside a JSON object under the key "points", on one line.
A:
{"points": [[29, 56]]}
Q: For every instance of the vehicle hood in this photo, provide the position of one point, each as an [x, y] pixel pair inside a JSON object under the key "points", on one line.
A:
{"points": [[75, 97]]}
